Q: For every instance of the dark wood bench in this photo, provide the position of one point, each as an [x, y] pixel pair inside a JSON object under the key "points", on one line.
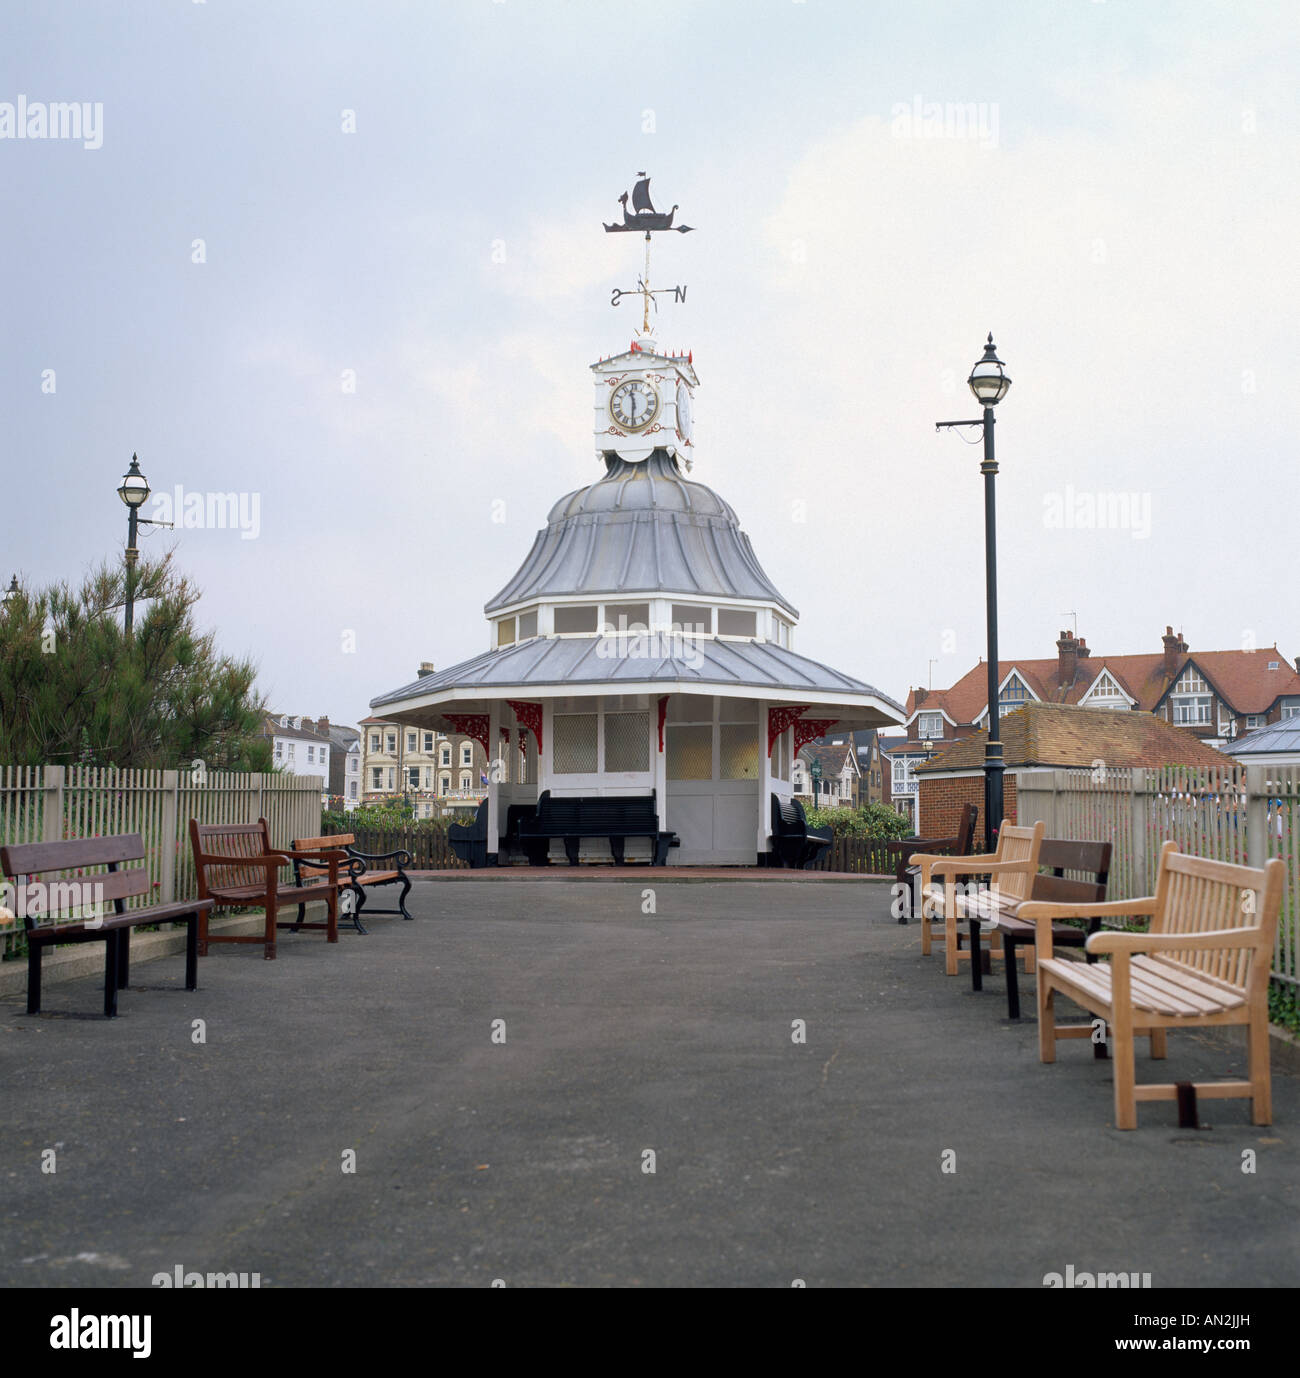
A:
{"points": [[906, 875], [469, 840], [613, 817], [26, 864], [1089, 866], [794, 843], [359, 877], [237, 866]]}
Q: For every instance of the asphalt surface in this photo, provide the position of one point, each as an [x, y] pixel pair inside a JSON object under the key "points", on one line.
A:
{"points": [[524, 1160]]}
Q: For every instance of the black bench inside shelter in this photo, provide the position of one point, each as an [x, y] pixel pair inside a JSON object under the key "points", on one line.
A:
{"points": [[794, 843], [613, 817]]}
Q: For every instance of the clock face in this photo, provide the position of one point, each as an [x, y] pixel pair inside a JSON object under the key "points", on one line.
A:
{"points": [[683, 410], [634, 404]]}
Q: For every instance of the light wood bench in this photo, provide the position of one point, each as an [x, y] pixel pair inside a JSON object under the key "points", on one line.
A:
{"points": [[1012, 869], [356, 876], [1204, 963]]}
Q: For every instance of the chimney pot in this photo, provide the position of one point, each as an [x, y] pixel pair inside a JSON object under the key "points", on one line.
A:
{"points": [[426, 668]]}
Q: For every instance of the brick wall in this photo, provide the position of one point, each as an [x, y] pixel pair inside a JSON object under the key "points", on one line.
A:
{"points": [[944, 797]]}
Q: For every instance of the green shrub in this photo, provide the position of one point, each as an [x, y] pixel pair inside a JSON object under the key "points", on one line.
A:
{"points": [[870, 820]]}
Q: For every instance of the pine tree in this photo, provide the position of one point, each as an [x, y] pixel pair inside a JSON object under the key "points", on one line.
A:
{"points": [[75, 689]]}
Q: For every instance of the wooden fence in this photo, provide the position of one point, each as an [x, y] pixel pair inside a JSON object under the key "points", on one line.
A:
{"points": [[1243, 814], [426, 842], [863, 854], [53, 803]]}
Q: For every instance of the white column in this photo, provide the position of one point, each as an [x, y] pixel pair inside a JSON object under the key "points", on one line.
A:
{"points": [[765, 781], [494, 788]]}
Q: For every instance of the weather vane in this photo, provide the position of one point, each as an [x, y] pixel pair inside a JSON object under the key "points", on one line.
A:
{"points": [[648, 219]]}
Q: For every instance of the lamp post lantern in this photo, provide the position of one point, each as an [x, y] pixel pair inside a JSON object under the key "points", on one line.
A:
{"points": [[989, 382], [134, 491], [12, 592]]}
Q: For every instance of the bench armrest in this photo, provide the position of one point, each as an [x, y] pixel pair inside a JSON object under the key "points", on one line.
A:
{"points": [[269, 862], [401, 856], [1047, 909], [1129, 944], [962, 865], [955, 865]]}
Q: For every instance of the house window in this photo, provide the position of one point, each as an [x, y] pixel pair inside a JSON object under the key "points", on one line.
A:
{"points": [[374, 741], [292, 748], [464, 782], [1254, 720], [904, 779], [279, 751], [444, 784], [378, 778], [352, 789], [428, 741], [1291, 710], [929, 725], [413, 777], [1192, 711], [392, 778], [311, 754], [446, 756], [410, 742], [466, 754], [428, 777], [392, 743], [1014, 695]]}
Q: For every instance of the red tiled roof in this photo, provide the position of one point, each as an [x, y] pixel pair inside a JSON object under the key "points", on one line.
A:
{"points": [[1242, 678], [1042, 734]]}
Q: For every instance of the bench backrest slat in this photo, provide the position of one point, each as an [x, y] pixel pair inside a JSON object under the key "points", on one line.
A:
{"points": [[1018, 844], [321, 844], [236, 841], [32, 858]]}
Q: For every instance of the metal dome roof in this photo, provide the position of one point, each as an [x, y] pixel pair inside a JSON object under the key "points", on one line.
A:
{"points": [[641, 528]]}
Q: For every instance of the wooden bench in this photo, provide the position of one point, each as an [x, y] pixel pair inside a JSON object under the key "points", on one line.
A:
{"points": [[1204, 963], [1089, 867], [469, 840], [614, 817], [1012, 868], [906, 875], [794, 843], [359, 877], [237, 866], [38, 899]]}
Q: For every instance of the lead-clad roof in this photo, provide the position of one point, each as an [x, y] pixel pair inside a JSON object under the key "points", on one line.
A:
{"points": [[605, 662], [641, 529]]}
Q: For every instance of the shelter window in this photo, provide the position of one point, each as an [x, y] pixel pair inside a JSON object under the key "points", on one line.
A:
{"points": [[737, 622], [627, 617], [575, 743], [576, 619], [690, 619], [690, 753], [527, 625], [627, 741], [506, 631]]}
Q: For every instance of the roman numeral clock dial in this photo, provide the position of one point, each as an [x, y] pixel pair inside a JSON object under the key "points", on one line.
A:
{"points": [[634, 404]]}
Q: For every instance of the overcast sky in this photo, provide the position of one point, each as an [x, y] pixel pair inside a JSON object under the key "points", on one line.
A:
{"points": [[1122, 214]]}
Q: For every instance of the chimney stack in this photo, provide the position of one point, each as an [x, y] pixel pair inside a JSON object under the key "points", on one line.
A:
{"points": [[426, 668], [323, 725], [1067, 649], [919, 696], [1174, 647]]}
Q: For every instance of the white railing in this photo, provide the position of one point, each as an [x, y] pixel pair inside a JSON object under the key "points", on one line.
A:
{"points": [[1243, 814], [54, 803]]}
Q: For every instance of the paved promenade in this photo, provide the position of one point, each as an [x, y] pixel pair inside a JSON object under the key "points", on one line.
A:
{"points": [[631, 1040]]}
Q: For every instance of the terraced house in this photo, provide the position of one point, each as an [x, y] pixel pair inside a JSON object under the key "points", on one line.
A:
{"points": [[432, 771]]}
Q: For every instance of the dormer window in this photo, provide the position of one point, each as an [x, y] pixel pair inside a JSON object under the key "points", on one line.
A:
{"points": [[929, 725]]}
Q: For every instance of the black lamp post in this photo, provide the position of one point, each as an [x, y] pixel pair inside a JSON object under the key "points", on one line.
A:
{"points": [[989, 382], [815, 771], [134, 491]]}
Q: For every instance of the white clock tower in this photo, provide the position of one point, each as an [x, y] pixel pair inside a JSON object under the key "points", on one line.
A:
{"points": [[643, 403]]}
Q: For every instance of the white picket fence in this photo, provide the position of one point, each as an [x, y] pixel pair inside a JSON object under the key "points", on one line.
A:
{"points": [[1244, 814], [51, 803]]}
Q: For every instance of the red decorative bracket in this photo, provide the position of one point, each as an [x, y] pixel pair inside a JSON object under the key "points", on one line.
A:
{"points": [[809, 729], [529, 715], [471, 725], [778, 719]]}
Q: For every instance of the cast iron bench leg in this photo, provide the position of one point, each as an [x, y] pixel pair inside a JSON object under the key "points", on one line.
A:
{"points": [[358, 904], [123, 958], [34, 950], [616, 847], [110, 973], [192, 952], [571, 845], [1013, 982], [401, 899]]}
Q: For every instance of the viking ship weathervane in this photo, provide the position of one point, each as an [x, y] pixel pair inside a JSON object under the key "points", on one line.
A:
{"points": [[647, 219]]}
